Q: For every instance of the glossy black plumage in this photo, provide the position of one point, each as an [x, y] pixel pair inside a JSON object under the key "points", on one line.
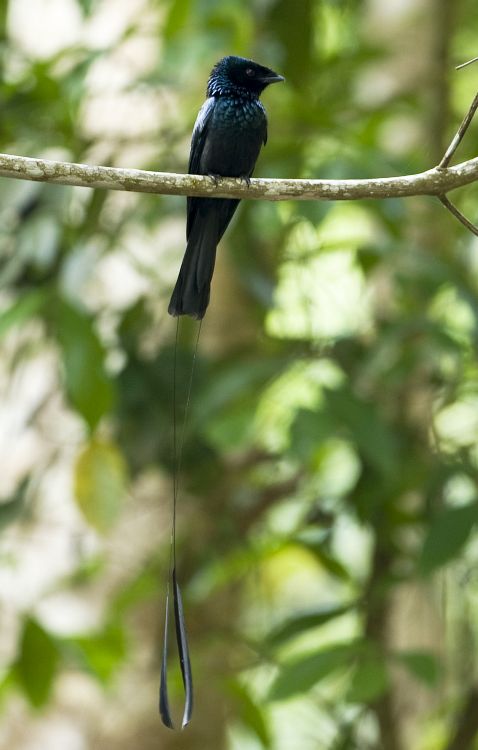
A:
{"points": [[227, 137]]}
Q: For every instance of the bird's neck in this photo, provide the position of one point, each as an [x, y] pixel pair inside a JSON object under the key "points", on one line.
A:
{"points": [[219, 87]]}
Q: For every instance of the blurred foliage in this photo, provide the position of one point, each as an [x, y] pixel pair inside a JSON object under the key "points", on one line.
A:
{"points": [[330, 466]]}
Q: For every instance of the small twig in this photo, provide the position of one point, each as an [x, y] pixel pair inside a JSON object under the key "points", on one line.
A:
{"points": [[468, 62], [444, 164], [458, 215], [458, 137]]}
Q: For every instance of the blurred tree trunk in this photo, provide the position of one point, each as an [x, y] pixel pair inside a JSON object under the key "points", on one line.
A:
{"points": [[411, 618]]}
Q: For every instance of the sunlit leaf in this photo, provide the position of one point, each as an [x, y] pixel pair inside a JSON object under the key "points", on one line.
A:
{"points": [[250, 712], [333, 566], [37, 663], [24, 308], [305, 621], [234, 379], [424, 665], [301, 674], [100, 483], [102, 653], [8, 682], [316, 545]]}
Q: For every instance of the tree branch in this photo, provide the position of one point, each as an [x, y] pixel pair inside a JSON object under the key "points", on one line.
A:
{"points": [[458, 215], [458, 137], [436, 181], [456, 140]]}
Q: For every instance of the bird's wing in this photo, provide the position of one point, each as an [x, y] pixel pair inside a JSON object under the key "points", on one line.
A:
{"points": [[199, 134], [197, 145], [264, 131]]}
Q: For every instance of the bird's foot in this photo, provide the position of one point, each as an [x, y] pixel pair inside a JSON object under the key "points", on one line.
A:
{"points": [[215, 178], [245, 178]]}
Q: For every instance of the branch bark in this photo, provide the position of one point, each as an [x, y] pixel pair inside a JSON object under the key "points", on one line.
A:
{"points": [[436, 181]]}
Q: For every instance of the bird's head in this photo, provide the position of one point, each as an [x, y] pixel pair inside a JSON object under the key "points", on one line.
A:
{"points": [[232, 74]]}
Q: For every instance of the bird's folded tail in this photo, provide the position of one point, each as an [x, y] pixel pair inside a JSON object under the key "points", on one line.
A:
{"points": [[191, 293]]}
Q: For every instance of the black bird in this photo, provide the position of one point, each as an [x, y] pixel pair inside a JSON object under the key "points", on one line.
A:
{"points": [[230, 129]]}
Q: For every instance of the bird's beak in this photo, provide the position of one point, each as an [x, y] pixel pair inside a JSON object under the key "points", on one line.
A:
{"points": [[271, 78]]}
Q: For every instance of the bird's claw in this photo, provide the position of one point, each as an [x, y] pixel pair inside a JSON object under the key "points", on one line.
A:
{"points": [[215, 178]]}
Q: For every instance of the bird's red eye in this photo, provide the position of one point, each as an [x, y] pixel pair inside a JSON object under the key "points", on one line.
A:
{"points": [[250, 72]]}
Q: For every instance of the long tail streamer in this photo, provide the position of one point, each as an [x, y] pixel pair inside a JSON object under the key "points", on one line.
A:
{"points": [[179, 620]]}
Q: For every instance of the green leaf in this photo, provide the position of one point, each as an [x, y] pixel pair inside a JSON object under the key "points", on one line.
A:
{"points": [[362, 423], [233, 381], [312, 619], [301, 674], [12, 509], [369, 680], [100, 483], [309, 429], [332, 565], [37, 664], [24, 308], [8, 682], [88, 386], [226, 405], [446, 536], [250, 713], [102, 653], [342, 414], [87, 6], [424, 665]]}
